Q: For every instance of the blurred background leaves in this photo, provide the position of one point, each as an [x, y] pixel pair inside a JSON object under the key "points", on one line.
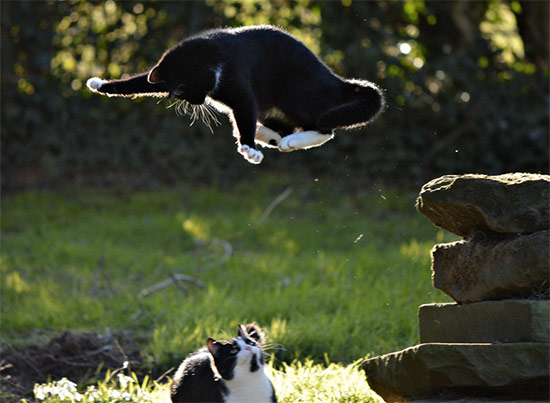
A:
{"points": [[466, 85]]}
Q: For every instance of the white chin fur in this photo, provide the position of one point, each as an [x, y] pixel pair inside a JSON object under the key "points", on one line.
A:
{"points": [[95, 83]]}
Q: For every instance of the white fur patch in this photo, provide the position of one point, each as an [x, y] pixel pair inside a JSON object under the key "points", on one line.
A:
{"points": [[266, 137], [303, 140], [251, 155], [95, 83], [246, 386], [254, 388]]}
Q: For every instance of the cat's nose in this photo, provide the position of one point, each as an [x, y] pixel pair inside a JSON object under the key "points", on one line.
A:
{"points": [[248, 348]]}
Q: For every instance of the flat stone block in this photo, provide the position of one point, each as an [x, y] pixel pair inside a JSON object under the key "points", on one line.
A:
{"points": [[506, 321], [509, 203], [488, 269], [442, 371], [477, 400]]}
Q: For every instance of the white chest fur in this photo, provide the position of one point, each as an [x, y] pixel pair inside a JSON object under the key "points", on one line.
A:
{"points": [[251, 387]]}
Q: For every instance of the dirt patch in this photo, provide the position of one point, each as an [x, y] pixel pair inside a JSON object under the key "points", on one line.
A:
{"points": [[76, 356]]}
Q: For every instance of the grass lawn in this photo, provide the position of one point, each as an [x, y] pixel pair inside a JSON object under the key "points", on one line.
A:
{"points": [[332, 275]]}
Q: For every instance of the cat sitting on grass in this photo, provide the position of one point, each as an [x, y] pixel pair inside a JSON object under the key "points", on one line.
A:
{"points": [[276, 92], [229, 372]]}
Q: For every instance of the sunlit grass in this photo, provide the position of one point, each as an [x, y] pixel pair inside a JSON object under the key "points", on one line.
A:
{"points": [[322, 383], [296, 382], [326, 274], [115, 387]]}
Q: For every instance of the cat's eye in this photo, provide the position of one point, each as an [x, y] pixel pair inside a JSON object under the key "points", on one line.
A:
{"points": [[234, 350], [179, 90]]}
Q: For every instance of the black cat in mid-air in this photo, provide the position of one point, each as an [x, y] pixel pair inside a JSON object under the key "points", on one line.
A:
{"points": [[274, 89], [227, 372]]}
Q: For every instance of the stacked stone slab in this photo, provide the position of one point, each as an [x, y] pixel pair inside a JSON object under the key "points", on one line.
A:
{"points": [[494, 341]]}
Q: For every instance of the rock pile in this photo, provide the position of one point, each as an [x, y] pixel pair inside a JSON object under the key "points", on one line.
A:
{"points": [[494, 341], [505, 222]]}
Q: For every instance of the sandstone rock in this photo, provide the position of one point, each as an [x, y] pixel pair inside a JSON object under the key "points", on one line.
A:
{"points": [[465, 204], [488, 269], [508, 321], [511, 371]]}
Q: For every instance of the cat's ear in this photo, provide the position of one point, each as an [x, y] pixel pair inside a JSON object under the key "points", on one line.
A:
{"points": [[154, 75], [212, 345], [242, 332], [254, 331]]}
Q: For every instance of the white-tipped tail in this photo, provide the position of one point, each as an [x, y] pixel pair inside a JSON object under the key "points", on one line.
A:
{"points": [[95, 83]]}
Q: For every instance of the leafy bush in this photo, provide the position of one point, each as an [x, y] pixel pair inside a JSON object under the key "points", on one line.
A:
{"points": [[462, 93]]}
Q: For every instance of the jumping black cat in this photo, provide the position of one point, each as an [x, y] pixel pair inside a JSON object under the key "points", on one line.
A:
{"points": [[226, 372], [274, 89]]}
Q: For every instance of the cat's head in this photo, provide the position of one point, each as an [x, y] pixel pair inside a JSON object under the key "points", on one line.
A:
{"points": [[242, 354], [188, 69]]}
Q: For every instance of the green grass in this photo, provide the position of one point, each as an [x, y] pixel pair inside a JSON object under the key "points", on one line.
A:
{"points": [[328, 274], [298, 382]]}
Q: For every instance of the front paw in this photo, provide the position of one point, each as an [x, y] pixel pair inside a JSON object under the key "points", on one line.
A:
{"points": [[95, 84], [251, 155]]}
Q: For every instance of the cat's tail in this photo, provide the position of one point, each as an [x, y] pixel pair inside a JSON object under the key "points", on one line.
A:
{"points": [[136, 86], [366, 103]]}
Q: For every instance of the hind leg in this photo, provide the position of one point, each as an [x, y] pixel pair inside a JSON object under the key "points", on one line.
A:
{"points": [[267, 137], [303, 140], [355, 113]]}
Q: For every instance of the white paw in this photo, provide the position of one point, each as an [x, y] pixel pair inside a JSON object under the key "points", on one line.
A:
{"points": [[285, 144], [251, 155], [95, 83], [303, 140]]}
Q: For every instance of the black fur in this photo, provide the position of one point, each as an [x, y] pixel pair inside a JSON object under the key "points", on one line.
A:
{"points": [[202, 375], [135, 86], [198, 383], [264, 75]]}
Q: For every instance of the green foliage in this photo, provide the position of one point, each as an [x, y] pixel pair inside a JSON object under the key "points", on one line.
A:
{"points": [[462, 93]]}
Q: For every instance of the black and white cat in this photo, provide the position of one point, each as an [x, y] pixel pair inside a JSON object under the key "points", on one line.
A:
{"points": [[229, 372], [274, 89]]}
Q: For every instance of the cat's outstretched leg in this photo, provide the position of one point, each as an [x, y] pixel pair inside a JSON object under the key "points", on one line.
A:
{"points": [[267, 137], [303, 140], [244, 129], [136, 86]]}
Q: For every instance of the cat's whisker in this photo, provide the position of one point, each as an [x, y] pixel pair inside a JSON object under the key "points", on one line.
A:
{"points": [[204, 112], [194, 115], [209, 117], [172, 104], [212, 113]]}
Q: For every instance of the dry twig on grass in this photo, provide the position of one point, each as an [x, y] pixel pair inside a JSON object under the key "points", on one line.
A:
{"points": [[179, 279], [267, 212], [174, 279]]}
